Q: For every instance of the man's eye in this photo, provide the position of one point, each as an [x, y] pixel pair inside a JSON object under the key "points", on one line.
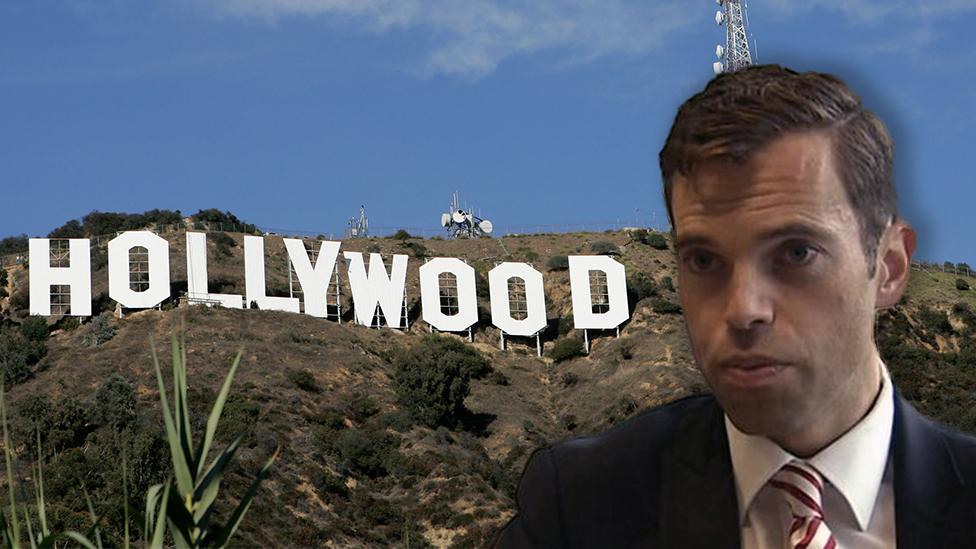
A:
{"points": [[800, 254], [701, 261]]}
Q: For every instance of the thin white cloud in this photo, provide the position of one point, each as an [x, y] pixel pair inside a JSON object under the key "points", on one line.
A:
{"points": [[874, 11], [470, 38]]}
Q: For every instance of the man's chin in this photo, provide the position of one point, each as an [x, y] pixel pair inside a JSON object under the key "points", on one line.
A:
{"points": [[758, 416]]}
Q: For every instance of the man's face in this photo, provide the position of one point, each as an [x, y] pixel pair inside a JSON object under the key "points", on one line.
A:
{"points": [[775, 290]]}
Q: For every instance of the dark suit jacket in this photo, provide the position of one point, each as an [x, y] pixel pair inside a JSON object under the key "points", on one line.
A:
{"points": [[663, 479]]}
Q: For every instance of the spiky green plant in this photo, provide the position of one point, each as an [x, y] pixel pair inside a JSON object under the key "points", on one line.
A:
{"points": [[183, 506], [187, 499], [10, 534]]}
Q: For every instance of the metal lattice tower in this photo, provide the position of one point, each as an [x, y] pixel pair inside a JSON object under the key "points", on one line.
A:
{"points": [[358, 228], [736, 52]]}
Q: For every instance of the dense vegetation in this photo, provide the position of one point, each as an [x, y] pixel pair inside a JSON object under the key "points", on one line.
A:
{"points": [[106, 223]]}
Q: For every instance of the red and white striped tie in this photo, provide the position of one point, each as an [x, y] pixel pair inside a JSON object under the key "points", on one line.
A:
{"points": [[802, 487]]}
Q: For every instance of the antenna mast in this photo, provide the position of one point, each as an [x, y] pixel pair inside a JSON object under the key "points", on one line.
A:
{"points": [[736, 50]]}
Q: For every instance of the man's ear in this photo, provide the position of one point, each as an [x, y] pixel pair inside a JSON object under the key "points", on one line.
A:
{"points": [[894, 261]]}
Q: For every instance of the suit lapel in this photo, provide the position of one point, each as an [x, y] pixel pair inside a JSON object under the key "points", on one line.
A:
{"points": [[698, 492], [928, 510]]}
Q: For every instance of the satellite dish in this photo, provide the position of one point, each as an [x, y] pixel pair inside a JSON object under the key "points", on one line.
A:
{"points": [[719, 18], [719, 51], [486, 226], [445, 220], [718, 67], [458, 216]]}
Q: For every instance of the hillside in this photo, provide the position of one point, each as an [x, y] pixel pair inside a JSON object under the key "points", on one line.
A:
{"points": [[356, 469]]}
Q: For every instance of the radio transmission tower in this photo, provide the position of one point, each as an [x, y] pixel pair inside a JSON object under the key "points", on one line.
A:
{"points": [[736, 50]]}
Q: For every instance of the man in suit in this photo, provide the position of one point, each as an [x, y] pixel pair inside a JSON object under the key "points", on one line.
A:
{"points": [[787, 236]]}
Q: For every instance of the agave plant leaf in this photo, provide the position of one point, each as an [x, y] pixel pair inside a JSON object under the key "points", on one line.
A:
{"points": [[12, 528], [180, 403], [187, 501], [218, 408], [182, 540], [181, 469], [209, 486], [81, 539], [179, 517], [125, 499], [5, 530], [241, 509], [30, 531], [39, 491], [48, 541], [152, 502], [95, 519], [159, 530]]}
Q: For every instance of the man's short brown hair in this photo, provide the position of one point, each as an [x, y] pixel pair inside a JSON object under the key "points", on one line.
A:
{"points": [[741, 111]]}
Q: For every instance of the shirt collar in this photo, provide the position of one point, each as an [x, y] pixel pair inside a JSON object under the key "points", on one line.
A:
{"points": [[855, 463]]}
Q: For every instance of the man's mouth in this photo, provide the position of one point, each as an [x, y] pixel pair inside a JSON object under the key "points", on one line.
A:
{"points": [[751, 370]]}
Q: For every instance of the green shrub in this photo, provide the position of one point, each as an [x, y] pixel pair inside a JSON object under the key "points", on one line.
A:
{"points": [[239, 419], [223, 243], [327, 483], [215, 219], [639, 235], [569, 379], [657, 241], [62, 424], [367, 452], [962, 284], [3, 277], [641, 286], [431, 379], [105, 223], [363, 408], [652, 239], [34, 328], [20, 301], [417, 249], [101, 331], [966, 313], [16, 356], [626, 350], [558, 263], [663, 306], [304, 380], [667, 283], [330, 422], [401, 234], [604, 247], [566, 348], [67, 323], [934, 320], [498, 378], [399, 420], [566, 325], [115, 403], [99, 259], [14, 245], [71, 229]]}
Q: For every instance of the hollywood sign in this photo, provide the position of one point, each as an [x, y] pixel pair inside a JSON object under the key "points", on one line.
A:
{"points": [[372, 288]]}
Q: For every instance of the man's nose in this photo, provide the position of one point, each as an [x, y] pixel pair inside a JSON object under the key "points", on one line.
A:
{"points": [[750, 304]]}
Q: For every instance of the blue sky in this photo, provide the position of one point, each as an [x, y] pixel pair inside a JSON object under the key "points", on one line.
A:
{"points": [[292, 113]]}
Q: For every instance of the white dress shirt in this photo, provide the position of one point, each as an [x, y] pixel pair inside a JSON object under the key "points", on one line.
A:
{"points": [[858, 499]]}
